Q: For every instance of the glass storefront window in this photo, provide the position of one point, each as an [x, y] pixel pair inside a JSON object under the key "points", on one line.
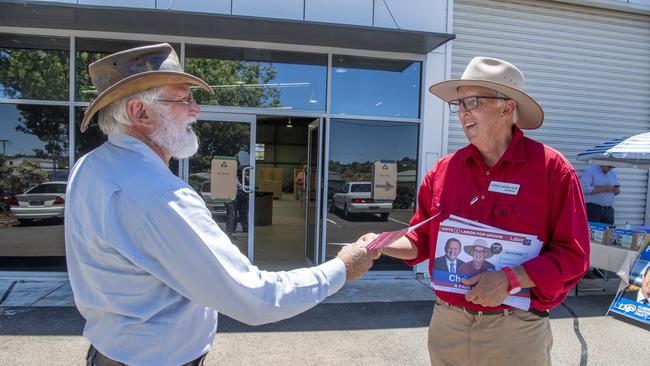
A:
{"points": [[259, 78], [33, 173], [355, 208], [90, 50], [375, 87], [87, 141], [34, 67]]}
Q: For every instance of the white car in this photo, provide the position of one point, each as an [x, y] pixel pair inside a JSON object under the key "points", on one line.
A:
{"points": [[217, 208], [356, 198], [44, 201]]}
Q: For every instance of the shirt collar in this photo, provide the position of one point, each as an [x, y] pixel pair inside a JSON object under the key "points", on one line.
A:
{"points": [[516, 151], [128, 142]]}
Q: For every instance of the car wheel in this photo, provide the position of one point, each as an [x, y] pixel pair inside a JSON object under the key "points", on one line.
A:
{"points": [[384, 216]]}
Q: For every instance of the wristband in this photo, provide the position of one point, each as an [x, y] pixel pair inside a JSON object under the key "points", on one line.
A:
{"points": [[514, 286]]}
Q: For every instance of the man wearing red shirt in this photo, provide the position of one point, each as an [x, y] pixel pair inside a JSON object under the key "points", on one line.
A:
{"points": [[544, 199]]}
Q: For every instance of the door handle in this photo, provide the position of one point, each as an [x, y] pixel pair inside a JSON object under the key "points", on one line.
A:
{"points": [[243, 179]]}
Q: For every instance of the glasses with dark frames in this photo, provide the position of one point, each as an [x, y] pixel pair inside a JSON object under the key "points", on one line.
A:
{"points": [[469, 103]]}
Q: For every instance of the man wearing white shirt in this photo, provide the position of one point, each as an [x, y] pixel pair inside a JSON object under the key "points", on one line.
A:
{"points": [[149, 268], [600, 185]]}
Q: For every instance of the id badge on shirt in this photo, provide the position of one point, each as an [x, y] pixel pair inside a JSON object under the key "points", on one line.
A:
{"points": [[504, 187]]}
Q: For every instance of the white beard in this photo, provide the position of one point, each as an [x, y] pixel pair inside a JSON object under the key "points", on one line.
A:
{"points": [[178, 139]]}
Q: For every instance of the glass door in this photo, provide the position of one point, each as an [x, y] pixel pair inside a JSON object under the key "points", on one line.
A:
{"points": [[313, 187], [222, 173]]}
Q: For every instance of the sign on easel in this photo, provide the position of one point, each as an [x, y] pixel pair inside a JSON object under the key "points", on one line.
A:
{"points": [[384, 180], [223, 184], [633, 300]]}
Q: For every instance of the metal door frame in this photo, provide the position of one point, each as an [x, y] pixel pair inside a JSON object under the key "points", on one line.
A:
{"points": [[318, 255], [251, 119]]}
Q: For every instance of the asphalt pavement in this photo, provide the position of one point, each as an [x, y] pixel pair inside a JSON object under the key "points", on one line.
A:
{"points": [[373, 321]]}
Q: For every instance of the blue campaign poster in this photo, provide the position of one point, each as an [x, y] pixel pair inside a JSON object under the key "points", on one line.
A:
{"points": [[634, 301]]}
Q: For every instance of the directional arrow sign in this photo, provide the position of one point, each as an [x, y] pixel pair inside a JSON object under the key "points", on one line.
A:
{"points": [[384, 180], [386, 186]]}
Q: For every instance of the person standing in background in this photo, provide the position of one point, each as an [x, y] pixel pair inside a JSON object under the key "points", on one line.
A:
{"points": [[600, 185]]}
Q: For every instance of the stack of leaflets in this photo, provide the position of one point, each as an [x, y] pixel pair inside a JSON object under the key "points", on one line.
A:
{"points": [[482, 248]]}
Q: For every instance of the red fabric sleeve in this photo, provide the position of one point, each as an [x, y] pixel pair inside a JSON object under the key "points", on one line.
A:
{"points": [[565, 259], [420, 237]]}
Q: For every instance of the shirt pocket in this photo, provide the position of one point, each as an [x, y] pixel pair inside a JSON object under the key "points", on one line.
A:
{"points": [[524, 216]]}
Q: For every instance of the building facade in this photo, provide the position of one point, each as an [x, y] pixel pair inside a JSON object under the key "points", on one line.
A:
{"points": [[332, 88]]}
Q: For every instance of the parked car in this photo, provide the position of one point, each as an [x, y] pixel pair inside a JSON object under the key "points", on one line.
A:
{"points": [[43, 201], [217, 208], [355, 198]]}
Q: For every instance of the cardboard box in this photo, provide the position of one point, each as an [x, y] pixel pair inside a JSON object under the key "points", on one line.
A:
{"points": [[271, 186], [598, 232], [632, 238], [277, 174], [638, 239], [266, 173]]}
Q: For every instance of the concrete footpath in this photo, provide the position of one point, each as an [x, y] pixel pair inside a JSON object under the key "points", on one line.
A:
{"points": [[373, 322]]}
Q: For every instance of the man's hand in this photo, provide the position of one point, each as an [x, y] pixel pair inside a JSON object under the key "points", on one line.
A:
{"points": [[490, 288], [357, 259]]}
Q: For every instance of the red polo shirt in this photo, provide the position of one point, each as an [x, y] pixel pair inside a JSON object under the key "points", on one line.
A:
{"points": [[549, 204]]}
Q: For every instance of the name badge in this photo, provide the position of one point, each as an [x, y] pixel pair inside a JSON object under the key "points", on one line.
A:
{"points": [[503, 187]]}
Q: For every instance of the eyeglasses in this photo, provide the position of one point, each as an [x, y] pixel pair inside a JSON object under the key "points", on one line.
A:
{"points": [[187, 101], [469, 103]]}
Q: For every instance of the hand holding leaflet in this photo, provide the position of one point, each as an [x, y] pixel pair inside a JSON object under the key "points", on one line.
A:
{"points": [[387, 238]]}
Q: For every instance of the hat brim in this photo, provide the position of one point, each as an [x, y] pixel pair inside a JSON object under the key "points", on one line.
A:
{"points": [[468, 250], [531, 114], [137, 83]]}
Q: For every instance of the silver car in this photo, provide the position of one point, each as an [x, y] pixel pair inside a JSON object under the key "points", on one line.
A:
{"points": [[217, 208], [44, 201], [356, 198]]}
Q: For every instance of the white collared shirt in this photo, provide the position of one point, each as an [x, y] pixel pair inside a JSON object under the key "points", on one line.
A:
{"points": [[149, 268], [594, 177], [640, 297], [449, 263]]}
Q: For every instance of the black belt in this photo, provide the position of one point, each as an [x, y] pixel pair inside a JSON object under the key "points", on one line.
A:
{"points": [[603, 207], [96, 358], [505, 312]]}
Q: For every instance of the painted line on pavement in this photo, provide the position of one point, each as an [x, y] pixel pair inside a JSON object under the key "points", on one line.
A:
{"points": [[397, 221]]}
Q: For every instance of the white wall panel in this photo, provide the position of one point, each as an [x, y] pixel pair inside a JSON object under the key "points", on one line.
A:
{"points": [[146, 4], [589, 68], [418, 15], [357, 12], [283, 9], [199, 6]]}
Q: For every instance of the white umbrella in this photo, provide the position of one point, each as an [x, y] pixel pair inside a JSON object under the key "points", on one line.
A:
{"points": [[628, 152]]}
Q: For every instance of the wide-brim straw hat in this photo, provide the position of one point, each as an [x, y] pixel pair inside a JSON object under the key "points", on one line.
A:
{"points": [[135, 70], [478, 243], [500, 76]]}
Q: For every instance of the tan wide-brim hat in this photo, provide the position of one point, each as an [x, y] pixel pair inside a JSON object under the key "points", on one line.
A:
{"points": [[135, 70], [500, 76], [478, 243]]}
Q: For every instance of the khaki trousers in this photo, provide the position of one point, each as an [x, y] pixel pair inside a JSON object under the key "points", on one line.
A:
{"points": [[458, 338]]}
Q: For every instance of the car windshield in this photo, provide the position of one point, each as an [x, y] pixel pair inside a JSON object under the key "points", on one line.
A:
{"points": [[361, 187], [48, 188]]}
